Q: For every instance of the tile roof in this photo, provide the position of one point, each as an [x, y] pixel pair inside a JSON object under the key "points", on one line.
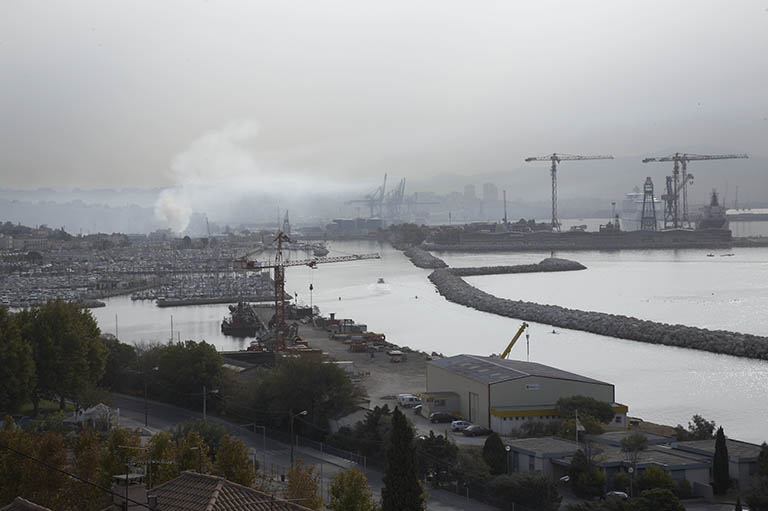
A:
{"points": [[20, 504], [192, 491], [492, 370]]}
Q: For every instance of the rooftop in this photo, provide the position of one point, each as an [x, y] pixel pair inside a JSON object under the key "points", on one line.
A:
{"points": [[20, 504], [545, 447], [736, 449], [192, 491], [615, 437], [492, 370]]}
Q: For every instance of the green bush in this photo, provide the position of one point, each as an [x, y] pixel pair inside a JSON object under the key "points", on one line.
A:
{"points": [[683, 489], [654, 477], [530, 490], [621, 481]]}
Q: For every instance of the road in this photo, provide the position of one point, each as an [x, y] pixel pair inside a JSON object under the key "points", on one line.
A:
{"points": [[276, 457]]}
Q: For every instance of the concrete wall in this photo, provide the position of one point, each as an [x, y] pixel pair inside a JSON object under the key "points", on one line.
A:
{"points": [[536, 390], [440, 380]]}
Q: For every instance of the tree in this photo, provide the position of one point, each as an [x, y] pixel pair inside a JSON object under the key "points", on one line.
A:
{"points": [[67, 348], [529, 490], [621, 481], [211, 434], [600, 410], [350, 492], [632, 445], [586, 479], [367, 436], [402, 491], [193, 453], [17, 370], [183, 369], [654, 477], [494, 454], [591, 426], [161, 455], [721, 479], [657, 500], [471, 469], [232, 461], [121, 360], [698, 429], [303, 486], [87, 450], [762, 461], [436, 455], [122, 447]]}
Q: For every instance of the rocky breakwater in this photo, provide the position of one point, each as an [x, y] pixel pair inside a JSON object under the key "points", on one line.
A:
{"points": [[423, 259], [450, 284], [547, 265]]}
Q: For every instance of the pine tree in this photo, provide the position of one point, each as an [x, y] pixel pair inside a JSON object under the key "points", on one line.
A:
{"points": [[721, 477], [402, 491], [494, 454]]}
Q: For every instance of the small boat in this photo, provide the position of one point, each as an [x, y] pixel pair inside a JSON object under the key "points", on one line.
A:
{"points": [[710, 255], [320, 251], [380, 281]]}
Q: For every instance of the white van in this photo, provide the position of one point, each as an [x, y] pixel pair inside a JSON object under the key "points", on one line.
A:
{"points": [[408, 400]]}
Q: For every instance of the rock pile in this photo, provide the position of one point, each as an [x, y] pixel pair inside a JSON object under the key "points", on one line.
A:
{"points": [[450, 284], [423, 259]]}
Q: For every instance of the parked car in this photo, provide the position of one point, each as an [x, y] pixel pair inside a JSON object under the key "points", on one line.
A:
{"points": [[616, 494], [441, 417], [408, 400], [417, 410], [476, 430], [460, 425]]}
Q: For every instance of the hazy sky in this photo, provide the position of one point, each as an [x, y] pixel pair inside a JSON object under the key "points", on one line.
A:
{"points": [[108, 93]]}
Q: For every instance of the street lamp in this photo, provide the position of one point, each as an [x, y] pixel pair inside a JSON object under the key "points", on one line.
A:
{"points": [[293, 416], [506, 457], [205, 393]]}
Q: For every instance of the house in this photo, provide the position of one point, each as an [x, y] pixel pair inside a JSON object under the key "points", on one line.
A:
{"points": [[742, 457], [503, 394], [20, 504]]}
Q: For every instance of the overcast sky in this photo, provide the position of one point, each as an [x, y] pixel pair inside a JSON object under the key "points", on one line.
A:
{"points": [[114, 94]]}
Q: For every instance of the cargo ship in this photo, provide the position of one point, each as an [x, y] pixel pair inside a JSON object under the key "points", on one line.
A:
{"points": [[242, 321]]}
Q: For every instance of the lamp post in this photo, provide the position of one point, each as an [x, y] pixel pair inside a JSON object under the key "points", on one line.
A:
{"points": [[293, 416], [507, 448], [205, 393]]}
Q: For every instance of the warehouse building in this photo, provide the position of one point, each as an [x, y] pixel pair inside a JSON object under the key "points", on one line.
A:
{"points": [[502, 394]]}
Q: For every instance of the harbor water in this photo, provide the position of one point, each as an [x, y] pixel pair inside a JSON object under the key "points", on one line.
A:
{"points": [[659, 383]]}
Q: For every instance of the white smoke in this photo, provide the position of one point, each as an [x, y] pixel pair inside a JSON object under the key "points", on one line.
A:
{"points": [[219, 170]]}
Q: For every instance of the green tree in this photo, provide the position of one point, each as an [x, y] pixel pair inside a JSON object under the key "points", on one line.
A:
{"points": [[121, 364], [12, 466], [586, 479], [529, 490], [368, 436], [621, 481], [762, 461], [17, 370], [232, 461], [43, 486], [471, 468], [324, 390], [87, 452], [402, 491], [123, 446], [183, 369], [591, 426], [350, 491], [657, 500], [161, 454], [193, 453], [654, 477], [632, 445], [211, 433], [494, 454], [698, 429], [303, 486], [600, 410], [67, 348], [721, 479], [436, 454]]}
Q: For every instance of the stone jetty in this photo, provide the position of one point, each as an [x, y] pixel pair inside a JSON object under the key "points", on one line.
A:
{"points": [[423, 259], [449, 283]]}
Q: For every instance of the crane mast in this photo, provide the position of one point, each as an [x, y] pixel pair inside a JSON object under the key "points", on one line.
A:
{"points": [[279, 271], [556, 158], [676, 197]]}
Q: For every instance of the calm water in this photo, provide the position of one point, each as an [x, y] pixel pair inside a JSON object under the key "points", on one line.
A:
{"points": [[661, 384]]}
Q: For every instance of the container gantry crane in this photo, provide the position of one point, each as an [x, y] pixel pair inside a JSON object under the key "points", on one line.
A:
{"points": [[677, 185], [556, 158], [278, 267]]}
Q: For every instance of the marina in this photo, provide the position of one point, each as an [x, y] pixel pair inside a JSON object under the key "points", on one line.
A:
{"points": [[663, 384]]}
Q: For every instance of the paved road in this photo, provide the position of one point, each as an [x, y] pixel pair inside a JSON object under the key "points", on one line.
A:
{"points": [[162, 416]]}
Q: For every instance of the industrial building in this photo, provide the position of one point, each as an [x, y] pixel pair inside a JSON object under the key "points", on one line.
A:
{"points": [[502, 394]]}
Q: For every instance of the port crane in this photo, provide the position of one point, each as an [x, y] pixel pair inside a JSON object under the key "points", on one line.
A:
{"points": [[375, 199], [278, 267], [676, 213], [556, 158]]}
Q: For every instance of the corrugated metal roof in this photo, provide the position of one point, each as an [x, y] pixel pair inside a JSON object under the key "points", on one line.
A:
{"points": [[492, 370]]}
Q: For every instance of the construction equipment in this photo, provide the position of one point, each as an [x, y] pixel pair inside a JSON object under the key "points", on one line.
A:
{"points": [[648, 214], [506, 351], [556, 158], [278, 267], [677, 186]]}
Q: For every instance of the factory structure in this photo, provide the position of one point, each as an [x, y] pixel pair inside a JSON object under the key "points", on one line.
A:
{"points": [[503, 394]]}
